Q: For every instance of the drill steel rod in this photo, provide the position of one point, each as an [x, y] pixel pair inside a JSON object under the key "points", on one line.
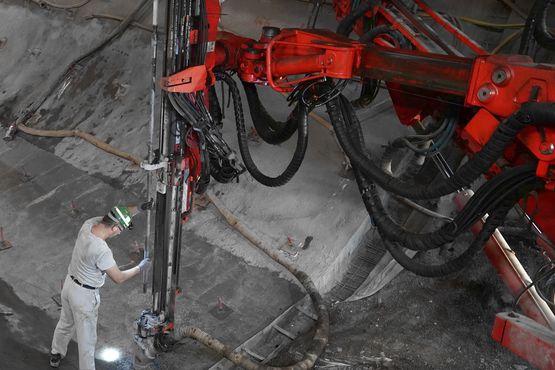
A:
{"points": [[151, 131], [511, 271]]}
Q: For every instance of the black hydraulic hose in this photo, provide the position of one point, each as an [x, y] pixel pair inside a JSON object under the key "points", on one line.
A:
{"points": [[346, 25], [269, 130], [214, 105], [529, 113], [528, 31], [541, 31], [486, 199], [536, 27], [369, 36], [541, 114], [302, 139], [494, 220]]}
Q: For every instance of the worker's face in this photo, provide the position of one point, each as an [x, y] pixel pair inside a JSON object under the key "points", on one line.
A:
{"points": [[116, 230]]}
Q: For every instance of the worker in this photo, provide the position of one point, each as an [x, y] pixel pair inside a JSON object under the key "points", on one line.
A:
{"points": [[91, 261]]}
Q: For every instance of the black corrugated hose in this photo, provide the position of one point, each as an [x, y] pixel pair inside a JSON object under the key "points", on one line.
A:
{"points": [[529, 113], [495, 219], [270, 130], [300, 150], [536, 26], [486, 199], [499, 195], [541, 32], [346, 25]]}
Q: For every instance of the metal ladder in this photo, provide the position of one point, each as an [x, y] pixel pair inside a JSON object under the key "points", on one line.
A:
{"points": [[270, 341]]}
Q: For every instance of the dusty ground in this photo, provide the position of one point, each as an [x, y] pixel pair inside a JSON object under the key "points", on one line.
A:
{"points": [[419, 323], [422, 324]]}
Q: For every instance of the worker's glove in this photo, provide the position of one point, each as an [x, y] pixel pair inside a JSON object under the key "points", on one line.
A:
{"points": [[144, 265], [146, 205]]}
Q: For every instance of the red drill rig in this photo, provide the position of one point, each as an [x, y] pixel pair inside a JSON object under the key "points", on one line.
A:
{"points": [[499, 108]]}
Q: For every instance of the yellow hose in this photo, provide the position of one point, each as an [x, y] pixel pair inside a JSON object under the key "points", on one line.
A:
{"points": [[43, 3], [482, 23], [479, 22], [119, 19], [507, 40], [321, 333], [83, 135]]}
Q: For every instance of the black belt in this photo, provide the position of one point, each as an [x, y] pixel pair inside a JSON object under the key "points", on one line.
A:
{"points": [[83, 285]]}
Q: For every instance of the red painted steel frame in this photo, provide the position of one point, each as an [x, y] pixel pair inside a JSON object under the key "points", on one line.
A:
{"points": [[417, 78], [526, 339], [511, 272], [451, 29]]}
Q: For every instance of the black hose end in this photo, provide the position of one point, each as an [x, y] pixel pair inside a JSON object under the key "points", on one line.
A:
{"points": [[537, 113]]}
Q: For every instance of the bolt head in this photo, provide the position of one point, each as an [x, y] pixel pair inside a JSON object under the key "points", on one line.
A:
{"points": [[500, 76], [547, 148], [486, 93]]}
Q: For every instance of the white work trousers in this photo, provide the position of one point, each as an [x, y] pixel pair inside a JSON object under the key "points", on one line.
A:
{"points": [[80, 314]]}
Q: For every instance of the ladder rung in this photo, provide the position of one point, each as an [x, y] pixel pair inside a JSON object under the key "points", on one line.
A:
{"points": [[274, 352], [254, 354], [285, 332]]}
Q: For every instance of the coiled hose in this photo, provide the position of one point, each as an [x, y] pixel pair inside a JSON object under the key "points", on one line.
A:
{"points": [[500, 205], [486, 199], [529, 113], [269, 130], [321, 332], [494, 220], [300, 150]]}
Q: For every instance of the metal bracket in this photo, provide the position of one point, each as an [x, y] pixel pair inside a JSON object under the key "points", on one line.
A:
{"points": [[154, 166], [10, 132]]}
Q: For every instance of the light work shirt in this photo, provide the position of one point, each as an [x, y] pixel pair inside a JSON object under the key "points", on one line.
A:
{"points": [[91, 256]]}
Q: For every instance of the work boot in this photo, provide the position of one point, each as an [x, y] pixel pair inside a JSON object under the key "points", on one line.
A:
{"points": [[55, 359]]}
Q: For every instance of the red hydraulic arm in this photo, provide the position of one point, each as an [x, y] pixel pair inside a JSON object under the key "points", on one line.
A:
{"points": [[493, 86]]}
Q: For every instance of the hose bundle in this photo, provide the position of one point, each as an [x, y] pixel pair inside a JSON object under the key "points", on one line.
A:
{"points": [[346, 25], [529, 113], [494, 220], [496, 198], [302, 139], [486, 199], [269, 130]]}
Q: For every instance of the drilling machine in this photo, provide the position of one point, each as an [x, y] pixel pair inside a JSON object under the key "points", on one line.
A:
{"points": [[499, 108], [191, 149]]}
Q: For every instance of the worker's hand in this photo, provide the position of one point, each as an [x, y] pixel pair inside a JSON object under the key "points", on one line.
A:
{"points": [[144, 265], [146, 205]]}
